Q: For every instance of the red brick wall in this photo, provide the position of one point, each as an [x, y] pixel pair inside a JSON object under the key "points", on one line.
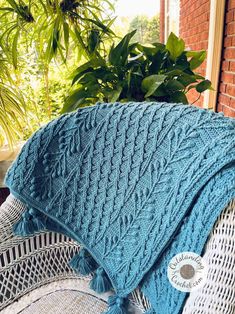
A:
{"points": [[226, 96], [162, 21], [194, 29]]}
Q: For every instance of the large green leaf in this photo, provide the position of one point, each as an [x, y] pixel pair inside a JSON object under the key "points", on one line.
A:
{"points": [[93, 40], [173, 73], [178, 97], [161, 91], [78, 76], [202, 86], [66, 36], [174, 85], [14, 48], [152, 50], [113, 95], [151, 83], [182, 62], [13, 113], [186, 79], [157, 63], [84, 68], [81, 43], [53, 42], [75, 99], [88, 79], [175, 46], [197, 58], [118, 55], [89, 66]]}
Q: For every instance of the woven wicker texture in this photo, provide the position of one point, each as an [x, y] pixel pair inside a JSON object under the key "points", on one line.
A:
{"points": [[66, 302], [11, 211], [217, 296], [28, 263], [31, 262]]}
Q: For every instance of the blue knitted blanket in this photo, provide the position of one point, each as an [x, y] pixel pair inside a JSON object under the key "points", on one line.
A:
{"points": [[135, 184]]}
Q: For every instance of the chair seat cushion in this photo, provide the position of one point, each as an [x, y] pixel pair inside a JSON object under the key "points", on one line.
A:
{"points": [[66, 302]]}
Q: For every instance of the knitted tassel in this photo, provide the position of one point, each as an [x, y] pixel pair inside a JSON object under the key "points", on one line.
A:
{"points": [[30, 222], [100, 281], [117, 305], [83, 262]]}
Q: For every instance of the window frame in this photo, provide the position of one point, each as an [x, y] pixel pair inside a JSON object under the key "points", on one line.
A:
{"points": [[167, 19]]}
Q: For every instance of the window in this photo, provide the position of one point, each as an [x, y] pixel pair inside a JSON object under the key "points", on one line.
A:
{"points": [[140, 15], [172, 8]]}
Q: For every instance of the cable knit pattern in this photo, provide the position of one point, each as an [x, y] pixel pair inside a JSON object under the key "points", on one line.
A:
{"points": [[135, 183]]}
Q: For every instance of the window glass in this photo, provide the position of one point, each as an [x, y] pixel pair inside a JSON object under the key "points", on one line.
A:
{"points": [[140, 15], [172, 8]]}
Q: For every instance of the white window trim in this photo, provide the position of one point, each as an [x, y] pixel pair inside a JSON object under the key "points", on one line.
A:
{"points": [[215, 42], [166, 16]]}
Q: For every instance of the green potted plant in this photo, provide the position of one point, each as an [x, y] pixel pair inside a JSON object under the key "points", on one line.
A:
{"points": [[133, 72], [36, 38]]}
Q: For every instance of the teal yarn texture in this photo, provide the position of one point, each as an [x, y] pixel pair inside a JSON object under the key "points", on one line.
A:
{"points": [[135, 184]]}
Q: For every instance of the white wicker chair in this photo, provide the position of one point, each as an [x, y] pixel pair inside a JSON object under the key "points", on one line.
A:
{"points": [[35, 277]]}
